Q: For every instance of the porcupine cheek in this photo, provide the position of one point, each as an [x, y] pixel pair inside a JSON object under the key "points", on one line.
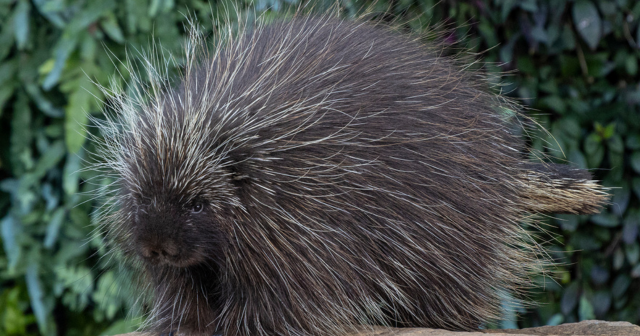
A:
{"points": [[161, 238]]}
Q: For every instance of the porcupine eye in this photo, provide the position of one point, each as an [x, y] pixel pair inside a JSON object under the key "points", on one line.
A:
{"points": [[197, 207]]}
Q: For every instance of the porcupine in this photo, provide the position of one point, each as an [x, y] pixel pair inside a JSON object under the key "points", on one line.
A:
{"points": [[314, 175]]}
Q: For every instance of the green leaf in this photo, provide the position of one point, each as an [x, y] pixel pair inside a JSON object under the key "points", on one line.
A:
{"points": [[567, 37], [21, 23], [53, 228], [528, 5], [635, 161], [591, 144], [631, 65], [61, 52], [615, 144], [120, 327], [506, 52], [585, 311], [87, 47], [82, 221], [567, 222], [602, 234], [110, 26], [507, 6], [7, 71], [488, 31], [43, 103], [616, 162], [26, 198], [576, 157], [594, 150], [15, 321], [89, 15], [21, 135], [106, 295], [618, 259], [7, 37], [50, 196], [633, 253], [539, 34], [570, 298], [76, 119], [608, 131], [137, 15], [579, 106], [556, 145], [555, 320], [52, 11], [525, 65], [6, 91], [633, 141], [549, 86], [10, 230], [53, 131], [49, 159], [570, 126], [620, 200], [587, 22], [79, 282], [635, 184], [555, 103], [638, 34], [153, 9], [598, 64], [601, 303], [36, 295], [599, 275], [71, 172], [607, 7], [620, 285], [606, 220], [71, 36]]}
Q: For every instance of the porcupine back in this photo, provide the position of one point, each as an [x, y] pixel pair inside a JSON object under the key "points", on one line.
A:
{"points": [[351, 176]]}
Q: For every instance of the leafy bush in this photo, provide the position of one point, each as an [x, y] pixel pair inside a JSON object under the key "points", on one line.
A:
{"points": [[574, 63]]}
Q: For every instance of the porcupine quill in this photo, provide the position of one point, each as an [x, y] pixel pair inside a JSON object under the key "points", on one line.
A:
{"points": [[314, 175]]}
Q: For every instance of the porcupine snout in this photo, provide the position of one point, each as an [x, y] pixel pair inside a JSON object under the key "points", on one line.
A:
{"points": [[162, 236], [158, 249]]}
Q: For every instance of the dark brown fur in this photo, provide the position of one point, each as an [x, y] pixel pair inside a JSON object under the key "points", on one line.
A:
{"points": [[347, 174]]}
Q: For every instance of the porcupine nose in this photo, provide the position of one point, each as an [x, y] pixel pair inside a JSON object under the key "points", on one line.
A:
{"points": [[159, 251]]}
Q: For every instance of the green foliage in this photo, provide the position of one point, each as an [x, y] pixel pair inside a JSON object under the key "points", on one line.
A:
{"points": [[576, 68]]}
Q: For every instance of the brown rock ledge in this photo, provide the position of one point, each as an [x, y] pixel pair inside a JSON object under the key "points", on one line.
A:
{"points": [[584, 328]]}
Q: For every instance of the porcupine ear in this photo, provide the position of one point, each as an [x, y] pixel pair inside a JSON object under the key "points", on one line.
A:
{"points": [[560, 188]]}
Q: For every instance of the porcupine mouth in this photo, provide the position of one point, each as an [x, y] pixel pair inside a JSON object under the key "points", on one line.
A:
{"points": [[193, 260], [182, 259]]}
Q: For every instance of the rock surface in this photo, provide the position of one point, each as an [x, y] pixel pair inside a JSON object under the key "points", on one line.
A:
{"points": [[591, 327], [584, 328]]}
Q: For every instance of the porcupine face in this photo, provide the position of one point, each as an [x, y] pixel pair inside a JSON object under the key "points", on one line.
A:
{"points": [[176, 201], [166, 231]]}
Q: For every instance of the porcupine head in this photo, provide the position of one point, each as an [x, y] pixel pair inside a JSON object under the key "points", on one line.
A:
{"points": [[311, 176]]}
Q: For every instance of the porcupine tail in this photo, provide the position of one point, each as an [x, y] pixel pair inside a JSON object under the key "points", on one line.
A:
{"points": [[559, 188]]}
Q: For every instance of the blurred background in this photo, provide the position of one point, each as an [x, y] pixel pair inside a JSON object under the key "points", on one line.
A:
{"points": [[574, 63]]}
